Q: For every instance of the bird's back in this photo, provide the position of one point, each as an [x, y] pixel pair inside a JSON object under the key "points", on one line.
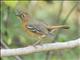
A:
{"points": [[38, 28]]}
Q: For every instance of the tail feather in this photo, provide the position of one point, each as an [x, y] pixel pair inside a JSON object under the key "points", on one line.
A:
{"points": [[57, 27]]}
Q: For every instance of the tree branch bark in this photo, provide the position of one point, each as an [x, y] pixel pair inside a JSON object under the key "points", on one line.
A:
{"points": [[40, 48]]}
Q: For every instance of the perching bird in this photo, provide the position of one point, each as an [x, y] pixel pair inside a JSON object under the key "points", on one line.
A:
{"points": [[38, 28]]}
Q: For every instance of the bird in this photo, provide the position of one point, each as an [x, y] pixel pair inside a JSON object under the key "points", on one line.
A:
{"points": [[38, 28]]}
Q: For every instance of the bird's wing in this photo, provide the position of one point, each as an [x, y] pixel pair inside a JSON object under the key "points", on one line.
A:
{"points": [[38, 28]]}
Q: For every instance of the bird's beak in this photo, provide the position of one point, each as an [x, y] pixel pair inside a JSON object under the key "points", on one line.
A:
{"points": [[19, 15]]}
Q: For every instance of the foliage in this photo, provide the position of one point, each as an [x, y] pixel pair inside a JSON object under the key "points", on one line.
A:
{"points": [[14, 36]]}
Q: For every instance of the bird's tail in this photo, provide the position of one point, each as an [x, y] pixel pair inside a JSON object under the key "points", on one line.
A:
{"points": [[57, 27]]}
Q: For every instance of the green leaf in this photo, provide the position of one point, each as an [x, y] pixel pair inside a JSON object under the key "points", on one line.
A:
{"points": [[9, 41], [11, 4]]}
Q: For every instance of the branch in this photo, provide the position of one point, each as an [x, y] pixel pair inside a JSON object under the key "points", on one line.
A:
{"points": [[5, 45], [40, 48], [70, 12], [63, 22]]}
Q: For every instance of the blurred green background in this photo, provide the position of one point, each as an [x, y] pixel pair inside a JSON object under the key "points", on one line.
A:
{"points": [[50, 12]]}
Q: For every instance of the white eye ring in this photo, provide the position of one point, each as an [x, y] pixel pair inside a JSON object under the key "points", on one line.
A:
{"points": [[29, 26]]}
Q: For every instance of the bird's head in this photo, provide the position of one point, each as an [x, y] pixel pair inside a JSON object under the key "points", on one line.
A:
{"points": [[23, 16]]}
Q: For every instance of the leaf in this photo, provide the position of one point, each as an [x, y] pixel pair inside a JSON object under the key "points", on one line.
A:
{"points": [[11, 4], [9, 41]]}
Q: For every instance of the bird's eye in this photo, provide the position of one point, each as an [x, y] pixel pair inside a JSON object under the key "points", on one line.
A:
{"points": [[22, 15]]}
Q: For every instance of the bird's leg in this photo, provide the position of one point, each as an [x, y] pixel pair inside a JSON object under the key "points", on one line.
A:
{"points": [[53, 30], [36, 43], [39, 41]]}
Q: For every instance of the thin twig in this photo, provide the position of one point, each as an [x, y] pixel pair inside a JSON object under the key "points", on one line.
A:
{"points": [[68, 15], [60, 11], [57, 34], [49, 53]]}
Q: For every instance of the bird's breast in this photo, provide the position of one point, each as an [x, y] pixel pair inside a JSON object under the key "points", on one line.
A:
{"points": [[31, 31]]}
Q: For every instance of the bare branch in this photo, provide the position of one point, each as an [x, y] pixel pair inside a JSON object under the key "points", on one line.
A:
{"points": [[5, 45], [40, 48]]}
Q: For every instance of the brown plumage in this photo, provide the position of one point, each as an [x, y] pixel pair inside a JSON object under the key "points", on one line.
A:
{"points": [[38, 28]]}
